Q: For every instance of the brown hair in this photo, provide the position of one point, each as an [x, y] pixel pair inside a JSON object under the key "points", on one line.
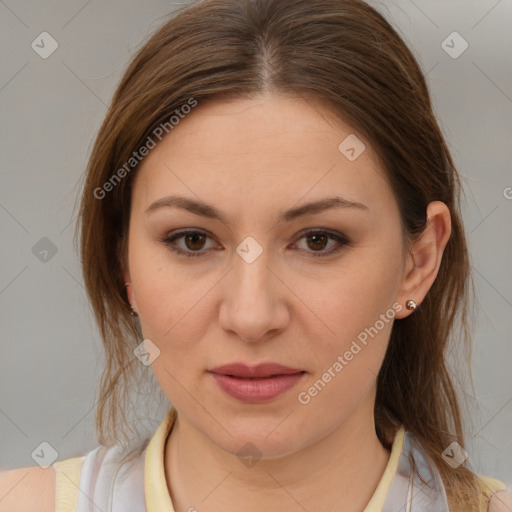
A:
{"points": [[346, 54]]}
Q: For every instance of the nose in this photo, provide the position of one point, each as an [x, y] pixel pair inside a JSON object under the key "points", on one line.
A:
{"points": [[254, 303]]}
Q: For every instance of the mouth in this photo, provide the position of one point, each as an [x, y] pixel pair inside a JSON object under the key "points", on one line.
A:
{"points": [[264, 370], [258, 378], [255, 384]]}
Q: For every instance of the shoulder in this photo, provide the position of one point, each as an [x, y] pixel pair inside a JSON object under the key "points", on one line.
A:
{"points": [[27, 489], [496, 496], [56, 488]]}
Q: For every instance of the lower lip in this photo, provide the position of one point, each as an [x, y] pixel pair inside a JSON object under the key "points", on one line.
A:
{"points": [[256, 390]]}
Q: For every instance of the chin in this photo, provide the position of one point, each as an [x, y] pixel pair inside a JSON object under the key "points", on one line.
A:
{"points": [[266, 438]]}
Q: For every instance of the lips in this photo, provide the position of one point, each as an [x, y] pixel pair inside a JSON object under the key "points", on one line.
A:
{"points": [[241, 370], [256, 383]]}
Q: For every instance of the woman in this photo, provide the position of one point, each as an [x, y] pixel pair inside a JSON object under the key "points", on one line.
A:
{"points": [[270, 221]]}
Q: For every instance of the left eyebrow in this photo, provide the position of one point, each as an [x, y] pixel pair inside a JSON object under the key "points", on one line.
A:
{"points": [[319, 206], [207, 210]]}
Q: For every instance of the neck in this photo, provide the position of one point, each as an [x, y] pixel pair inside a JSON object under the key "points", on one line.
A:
{"points": [[338, 472]]}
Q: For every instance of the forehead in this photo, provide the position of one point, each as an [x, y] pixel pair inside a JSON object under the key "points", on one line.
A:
{"points": [[248, 149], [259, 125]]}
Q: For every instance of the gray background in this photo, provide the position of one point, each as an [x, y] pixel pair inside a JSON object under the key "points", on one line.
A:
{"points": [[51, 108]]}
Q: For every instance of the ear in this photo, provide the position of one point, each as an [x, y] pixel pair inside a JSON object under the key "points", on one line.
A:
{"points": [[129, 288], [424, 260], [125, 272]]}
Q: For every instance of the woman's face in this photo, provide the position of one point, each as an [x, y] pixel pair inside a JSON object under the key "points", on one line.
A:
{"points": [[260, 286]]}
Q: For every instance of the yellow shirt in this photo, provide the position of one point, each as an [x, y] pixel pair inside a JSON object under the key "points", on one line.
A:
{"points": [[155, 486]]}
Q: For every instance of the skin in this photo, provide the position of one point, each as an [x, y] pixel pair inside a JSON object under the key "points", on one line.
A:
{"points": [[251, 159]]}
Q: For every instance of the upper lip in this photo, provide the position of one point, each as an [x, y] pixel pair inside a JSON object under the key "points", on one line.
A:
{"points": [[261, 370]]}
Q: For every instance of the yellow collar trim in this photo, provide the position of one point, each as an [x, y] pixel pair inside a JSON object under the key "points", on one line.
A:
{"points": [[155, 484]]}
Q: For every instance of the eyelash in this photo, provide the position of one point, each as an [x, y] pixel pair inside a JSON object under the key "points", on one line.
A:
{"points": [[340, 238]]}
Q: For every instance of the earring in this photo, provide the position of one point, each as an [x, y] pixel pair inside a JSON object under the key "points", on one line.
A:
{"points": [[411, 305], [133, 313]]}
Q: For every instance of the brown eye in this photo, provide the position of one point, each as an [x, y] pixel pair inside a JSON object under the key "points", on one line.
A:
{"points": [[194, 241], [318, 240]]}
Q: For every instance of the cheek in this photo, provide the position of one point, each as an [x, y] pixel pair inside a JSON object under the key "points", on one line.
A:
{"points": [[348, 363], [358, 304], [166, 293], [351, 298]]}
